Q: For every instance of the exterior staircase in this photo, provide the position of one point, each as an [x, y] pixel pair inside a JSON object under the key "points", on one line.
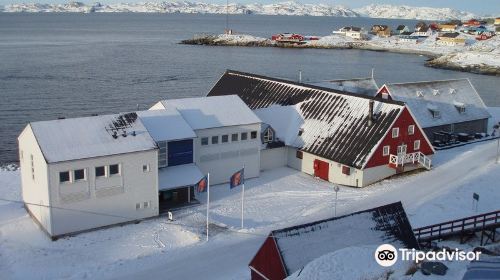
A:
{"points": [[398, 161]]}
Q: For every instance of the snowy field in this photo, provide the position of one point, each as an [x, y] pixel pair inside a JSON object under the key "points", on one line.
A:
{"points": [[279, 198]]}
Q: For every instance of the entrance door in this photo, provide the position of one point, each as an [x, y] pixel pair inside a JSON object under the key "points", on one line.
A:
{"points": [[402, 150], [321, 169]]}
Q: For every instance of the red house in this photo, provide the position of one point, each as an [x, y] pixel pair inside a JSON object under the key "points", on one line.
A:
{"points": [[288, 250], [341, 137]]}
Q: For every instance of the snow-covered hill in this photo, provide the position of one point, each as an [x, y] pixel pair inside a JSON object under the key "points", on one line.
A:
{"points": [[408, 12], [283, 8]]}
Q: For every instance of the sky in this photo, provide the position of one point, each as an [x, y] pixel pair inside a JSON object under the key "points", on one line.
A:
{"points": [[480, 7]]}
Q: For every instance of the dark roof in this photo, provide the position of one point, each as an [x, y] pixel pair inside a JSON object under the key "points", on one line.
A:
{"points": [[299, 245], [407, 33], [401, 27], [424, 29], [450, 35], [334, 123]]}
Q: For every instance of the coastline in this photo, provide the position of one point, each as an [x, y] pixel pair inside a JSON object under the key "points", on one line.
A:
{"points": [[438, 56]]}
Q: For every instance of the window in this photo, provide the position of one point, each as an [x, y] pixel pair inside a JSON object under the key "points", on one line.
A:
{"points": [[300, 132], [215, 140], [137, 206], [253, 134], [32, 167], [204, 141], [244, 136], [162, 154], [64, 177], [435, 113], [268, 136], [145, 168], [225, 138], [416, 145], [395, 132], [386, 150], [146, 204], [234, 137], [411, 129], [460, 108], [100, 171], [299, 154], [79, 174], [114, 169], [346, 170]]}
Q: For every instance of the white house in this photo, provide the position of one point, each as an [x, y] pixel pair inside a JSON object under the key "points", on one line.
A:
{"points": [[345, 138], [85, 173], [423, 32], [89, 172], [351, 32], [402, 29]]}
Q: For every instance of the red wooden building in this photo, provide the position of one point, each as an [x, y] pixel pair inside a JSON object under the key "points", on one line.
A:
{"points": [[288, 250]]}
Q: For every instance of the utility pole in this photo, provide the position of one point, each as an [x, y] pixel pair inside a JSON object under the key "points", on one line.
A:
{"points": [[336, 189]]}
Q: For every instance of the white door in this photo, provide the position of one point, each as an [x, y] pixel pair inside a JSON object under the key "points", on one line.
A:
{"points": [[402, 150]]}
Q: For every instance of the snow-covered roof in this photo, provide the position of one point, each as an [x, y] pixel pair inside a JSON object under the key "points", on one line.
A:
{"points": [[166, 125], [301, 244], [366, 86], [87, 137], [441, 96], [334, 124], [487, 267], [211, 112], [178, 176]]}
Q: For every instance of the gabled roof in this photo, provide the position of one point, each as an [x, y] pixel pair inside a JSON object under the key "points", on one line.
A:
{"points": [[401, 27], [299, 245], [366, 86], [443, 96], [211, 112], [450, 35], [166, 125], [334, 123], [87, 137]]}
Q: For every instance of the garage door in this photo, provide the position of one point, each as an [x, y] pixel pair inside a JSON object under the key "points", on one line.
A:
{"points": [[321, 169]]}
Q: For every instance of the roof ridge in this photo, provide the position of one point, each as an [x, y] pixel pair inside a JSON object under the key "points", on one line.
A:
{"points": [[325, 89], [433, 81]]}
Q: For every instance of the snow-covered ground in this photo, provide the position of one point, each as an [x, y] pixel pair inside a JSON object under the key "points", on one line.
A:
{"points": [[279, 198], [281, 8]]}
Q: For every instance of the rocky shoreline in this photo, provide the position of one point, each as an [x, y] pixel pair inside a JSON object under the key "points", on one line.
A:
{"points": [[436, 60]]}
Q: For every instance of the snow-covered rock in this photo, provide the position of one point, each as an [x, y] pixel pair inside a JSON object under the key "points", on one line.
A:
{"points": [[409, 12], [282, 8]]}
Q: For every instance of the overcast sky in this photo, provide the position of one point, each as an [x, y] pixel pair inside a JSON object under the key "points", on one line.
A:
{"points": [[491, 7]]}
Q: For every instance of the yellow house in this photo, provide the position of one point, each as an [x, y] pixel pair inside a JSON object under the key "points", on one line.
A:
{"points": [[447, 27], [497, 21]]}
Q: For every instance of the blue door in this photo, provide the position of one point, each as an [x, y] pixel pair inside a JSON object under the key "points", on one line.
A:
{"points": [[180, 152]]}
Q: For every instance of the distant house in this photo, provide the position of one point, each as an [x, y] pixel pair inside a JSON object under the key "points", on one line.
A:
{"points": [[420, 25], [451, 105], [450, 39], [423, 32], [473, 22], [83, 173], [351, 32], [402, 28], [286, 251], [409, 38], [497, 22], [323, 132], [447, 27], [381, 30]]}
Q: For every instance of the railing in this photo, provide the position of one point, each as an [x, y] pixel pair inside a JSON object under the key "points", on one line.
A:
{"points": [[419, 157], [471, 224]]}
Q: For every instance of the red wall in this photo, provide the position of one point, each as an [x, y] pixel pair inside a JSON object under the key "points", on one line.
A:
{"points": [[404, 120], [268, 262]]}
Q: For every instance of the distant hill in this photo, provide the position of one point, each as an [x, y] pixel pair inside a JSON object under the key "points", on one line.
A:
{"points": [[283, 8]]}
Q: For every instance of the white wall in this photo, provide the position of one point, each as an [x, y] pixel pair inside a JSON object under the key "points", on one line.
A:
{"points": [[223, 159], [104, 201], [377, 173], [35, 192], [273, 158]]}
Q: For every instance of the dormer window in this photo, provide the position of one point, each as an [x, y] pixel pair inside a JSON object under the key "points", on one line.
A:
{"points": [[434, 110], [460, 107], [268, 135], [453, 91], [435, 92], [420, 93]]}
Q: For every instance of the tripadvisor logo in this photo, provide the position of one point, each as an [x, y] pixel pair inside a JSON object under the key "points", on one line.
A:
{"points": [[387, 255]]}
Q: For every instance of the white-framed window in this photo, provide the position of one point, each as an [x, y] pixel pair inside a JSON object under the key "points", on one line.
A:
{"points": [[234, 137], [416, 145], [79, 175], [215, 140], [137, 206], [146, 204], [395, 132], [253, 135], [204, 141], [411, 129], [64, 177], [386, 150], [244, 136], [145, 168], [100, 171], [268, 135], [114, 169], [224, 138]]}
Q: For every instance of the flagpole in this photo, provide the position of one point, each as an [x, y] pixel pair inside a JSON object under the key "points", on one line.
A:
{"points": [[242, 196], [208, 198]]}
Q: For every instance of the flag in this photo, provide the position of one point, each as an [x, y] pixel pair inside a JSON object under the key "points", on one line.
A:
{"points": [[237, 178], [201, 186]]}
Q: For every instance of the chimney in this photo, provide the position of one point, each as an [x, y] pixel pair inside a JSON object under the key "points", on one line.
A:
{"points": [[133, 133], [370, 112], [115, 135], [124, 133]]}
